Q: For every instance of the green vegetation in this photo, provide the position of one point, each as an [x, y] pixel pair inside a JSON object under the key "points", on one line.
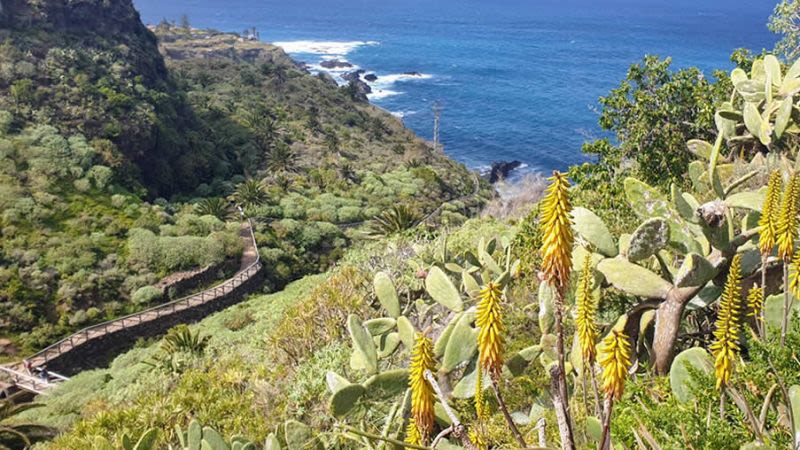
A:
{"points": [[652, 304], [85, 237]]}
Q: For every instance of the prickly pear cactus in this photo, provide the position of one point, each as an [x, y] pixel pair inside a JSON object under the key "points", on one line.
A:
{"points": [[592, 228], [442, 289], [680, 379], [365, 356], [345, 399], [387, 294], [650, 237]]}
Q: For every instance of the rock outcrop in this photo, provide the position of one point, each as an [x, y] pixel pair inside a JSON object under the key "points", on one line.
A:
{"points": [[501, 169]]}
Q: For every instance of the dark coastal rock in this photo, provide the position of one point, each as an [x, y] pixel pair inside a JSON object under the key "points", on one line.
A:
{"points": [[370, 77], [501, 169], [353, 76], [361, 88], [335, 64], [412, 74]]}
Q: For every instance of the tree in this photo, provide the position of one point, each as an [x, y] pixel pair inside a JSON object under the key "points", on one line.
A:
{"points": [[215, 206], [281, 158], [784, 22], [653, 113], [250, 193]]}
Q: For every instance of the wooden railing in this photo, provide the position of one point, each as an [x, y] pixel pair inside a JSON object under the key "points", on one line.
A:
{"points": [[41, 358]]}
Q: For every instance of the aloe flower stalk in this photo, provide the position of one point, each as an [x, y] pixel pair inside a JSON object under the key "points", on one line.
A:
{"points": [[786, 236], [614, 358], [586, 316], [558, 237], [770, 214], [489, 320], [726, 333], [755, 307], [556, 251], [422, 395], [412, 433]]}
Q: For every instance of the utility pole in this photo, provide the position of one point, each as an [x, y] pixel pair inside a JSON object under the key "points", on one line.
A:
{"points": [[437, 115]]}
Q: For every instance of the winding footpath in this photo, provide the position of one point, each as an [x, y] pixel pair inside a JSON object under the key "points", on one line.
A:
{"points": [[28, 374], [31, 374]]}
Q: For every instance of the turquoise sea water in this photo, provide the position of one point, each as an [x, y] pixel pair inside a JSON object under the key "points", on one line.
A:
{"points": [[516, 79]]}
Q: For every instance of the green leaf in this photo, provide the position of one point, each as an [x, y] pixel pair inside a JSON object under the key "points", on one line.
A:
{"points": [[469, 383], [195, 435], [272, 443], [377, 327], [334, 381], [752, 119], [752, 91], [297, 434], [752, 200], [147, 441], [680, 378], [700, 148], [345, 399], [363, 346], [594, 429], [695, 271], [406, 330], [773, 69], [738, 75], [633, 279], [471, 287], [213, 440], [592, 228], [463, 343], [442, 290], [386, 344], [794, 400], [783, 117], [441, 343], [650, 237], [387, 384], [387, 294]]}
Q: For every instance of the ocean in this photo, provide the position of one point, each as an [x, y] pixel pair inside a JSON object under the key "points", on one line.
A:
{"points": [[515, 80]]}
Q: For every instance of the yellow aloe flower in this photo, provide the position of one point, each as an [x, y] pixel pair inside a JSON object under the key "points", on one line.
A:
{"points": [[422, 395], [794, 276], [412, 433], [477, 434], [726, 344], [770, 214], [787, 223], [755, 302], [557, 238], [489, 320], [585, 319], [615, 358]]}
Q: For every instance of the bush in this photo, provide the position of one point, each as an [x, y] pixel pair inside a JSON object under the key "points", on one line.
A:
{"points": [[146, 295]]}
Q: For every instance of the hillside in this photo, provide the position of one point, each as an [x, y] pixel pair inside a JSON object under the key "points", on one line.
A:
{"points": [[648, 299], [122, 167]]}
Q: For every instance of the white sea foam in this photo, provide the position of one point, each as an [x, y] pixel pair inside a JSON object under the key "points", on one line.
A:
{"points": [[402, 114], [330, 48], [314, 68], [378, 94], [397, 77]]}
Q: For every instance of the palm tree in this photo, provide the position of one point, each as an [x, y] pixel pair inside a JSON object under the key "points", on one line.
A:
{"points": [[214, 206], [250, 193], [281, 159], [15, 434], [394, 220]]}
